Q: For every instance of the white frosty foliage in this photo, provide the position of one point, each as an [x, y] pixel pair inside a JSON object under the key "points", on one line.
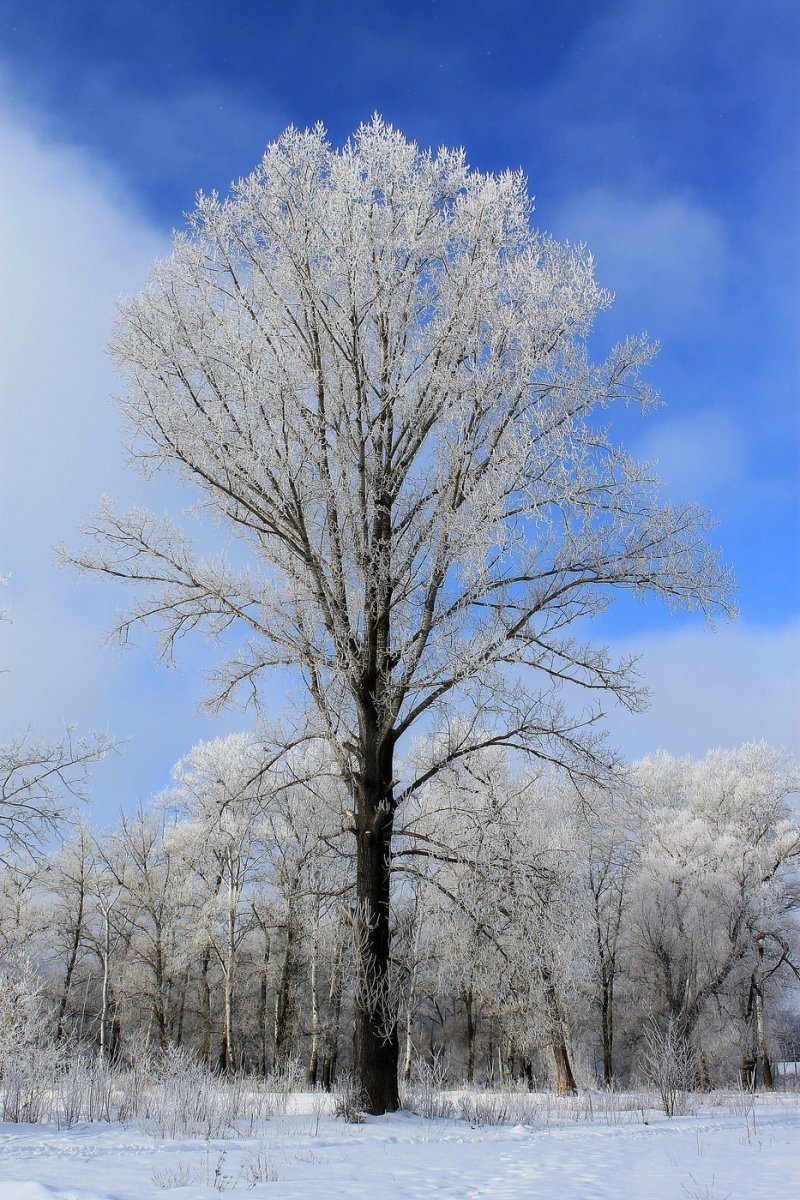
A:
{"points": [[375, 371]]}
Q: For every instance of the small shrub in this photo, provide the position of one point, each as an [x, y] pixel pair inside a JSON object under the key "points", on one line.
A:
{"points": [[258, 1166], [285, 1078], [348, 1102], [484, 1109], [426, 1095], [174, 1177], [670, 1064]]}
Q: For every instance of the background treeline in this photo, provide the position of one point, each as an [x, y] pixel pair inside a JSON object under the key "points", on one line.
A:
{"points": [[542, 932]]}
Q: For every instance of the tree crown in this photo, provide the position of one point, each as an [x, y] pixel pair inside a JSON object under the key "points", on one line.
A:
{"points": [[375, 371]]}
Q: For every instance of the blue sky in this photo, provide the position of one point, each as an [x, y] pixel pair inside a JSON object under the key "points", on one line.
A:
{"points": [[663, 134]]}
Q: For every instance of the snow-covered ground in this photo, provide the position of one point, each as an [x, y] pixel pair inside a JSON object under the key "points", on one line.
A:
{"points": [[724, 1149]]}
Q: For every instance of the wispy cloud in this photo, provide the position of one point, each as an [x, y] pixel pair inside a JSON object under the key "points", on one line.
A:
{"points": [[664, 253], [718, 688], [700, 457], [72, 243]]}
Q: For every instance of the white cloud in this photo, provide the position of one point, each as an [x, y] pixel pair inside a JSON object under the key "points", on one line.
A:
{"points": [[71, 246], [664, 253], [717, 688], [72, 243], [699, 457]]}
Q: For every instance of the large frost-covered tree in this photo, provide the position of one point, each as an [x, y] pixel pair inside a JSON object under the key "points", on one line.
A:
{"points": [[716, 897], [375, 372]]}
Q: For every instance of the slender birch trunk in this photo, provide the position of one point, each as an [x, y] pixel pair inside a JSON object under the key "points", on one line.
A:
{"points": [[71, 962], [105, 984], [313, 1058]]}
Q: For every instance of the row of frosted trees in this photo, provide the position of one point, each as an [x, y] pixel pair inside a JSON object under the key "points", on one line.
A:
{"points": [[541, 932]]}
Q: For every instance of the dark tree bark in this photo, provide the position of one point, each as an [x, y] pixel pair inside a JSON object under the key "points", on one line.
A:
{"points": [[469, 1005], [330, 1054], [263, 983], [283, 1031], [160, 1006], [376, 1040], [565, 1079], [312, 1069], [178, 1034], [205, 1008], [607, 1027], [75, 943], [762, 1053]]}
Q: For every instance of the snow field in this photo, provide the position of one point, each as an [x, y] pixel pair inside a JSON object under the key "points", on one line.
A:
{"points": [[727, 1149]]}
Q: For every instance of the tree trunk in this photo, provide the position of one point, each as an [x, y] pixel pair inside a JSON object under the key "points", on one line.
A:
{"points": [[105, 985], [409, 1039], [331, 1052], [226, 1057], [205, 1008], [606, 934], [511, 1063], [181, 1008], [281, 1046], [376, 1043], [702, 1078], [263, 1036], [607, 1016], [161, 1003], [313, 1058], [765, 1066], [228, 981], [469, 1004], [565, 1080], [73, 958]]}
